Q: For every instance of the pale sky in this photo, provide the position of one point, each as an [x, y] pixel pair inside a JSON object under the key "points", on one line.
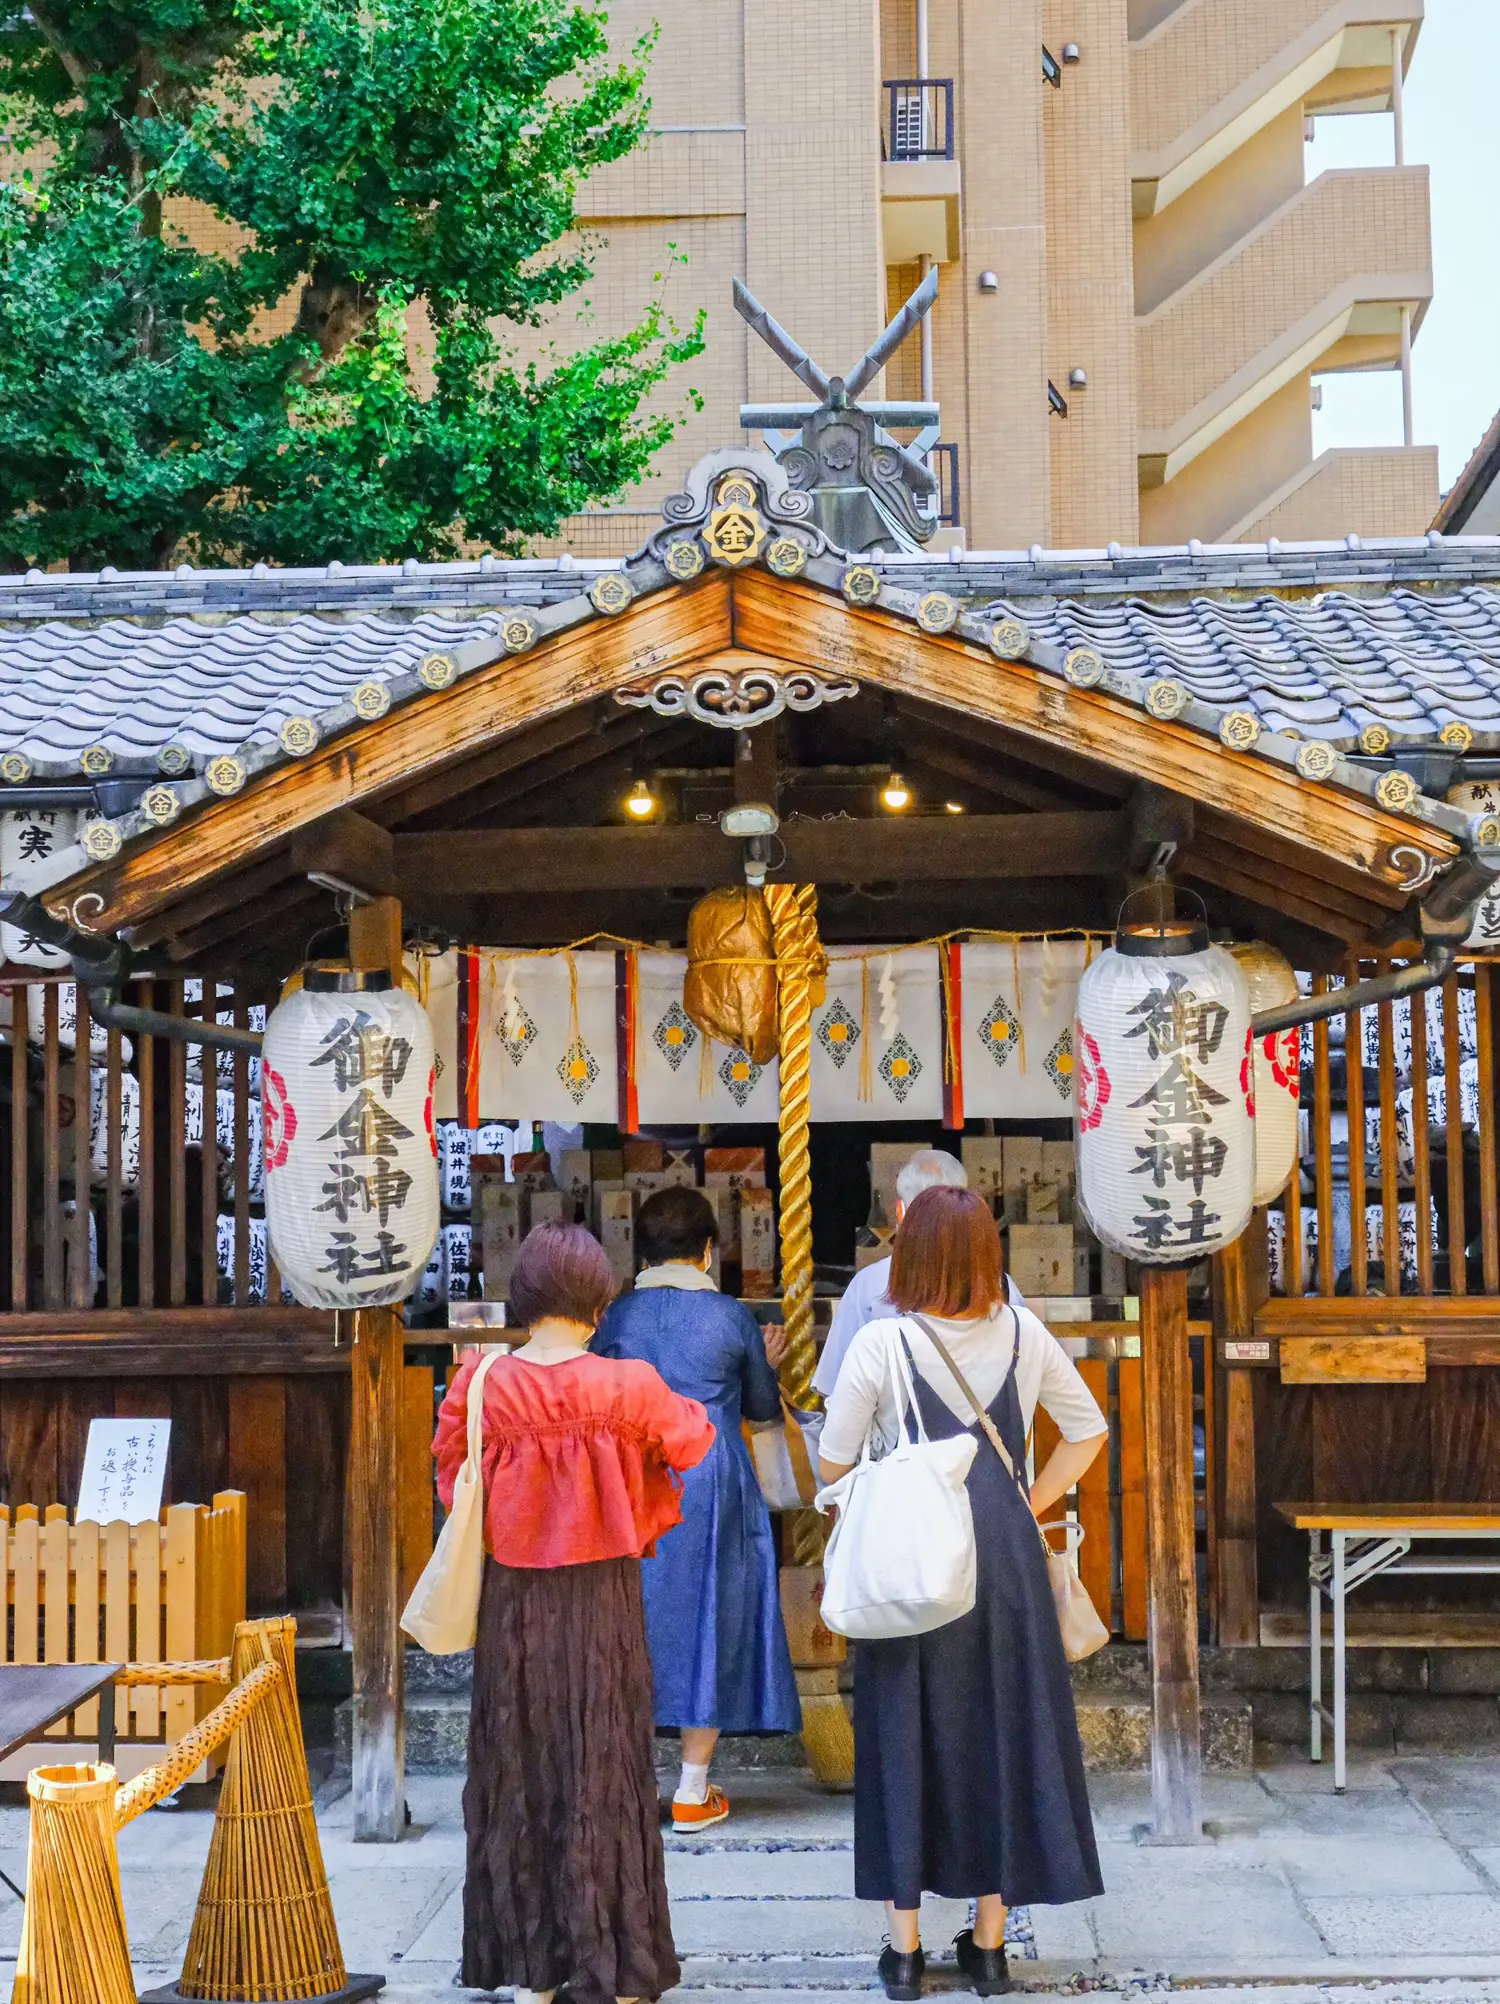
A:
{"points": [[1453, 126]]}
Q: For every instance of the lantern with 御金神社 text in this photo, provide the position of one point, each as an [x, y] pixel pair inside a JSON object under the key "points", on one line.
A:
{"points": [[349, 1145], [1164, 1095], [1277, 1077]]}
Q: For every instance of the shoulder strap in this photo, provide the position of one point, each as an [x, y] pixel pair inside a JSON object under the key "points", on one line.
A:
{"points": [[990, 1428], [475, 1440]]}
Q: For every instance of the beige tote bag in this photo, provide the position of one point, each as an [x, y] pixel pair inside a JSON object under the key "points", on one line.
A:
{"points": [[443, 1612], [1082, 1631]]}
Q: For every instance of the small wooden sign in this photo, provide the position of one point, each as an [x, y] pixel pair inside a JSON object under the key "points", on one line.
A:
{"points": [[1353, 1360]]}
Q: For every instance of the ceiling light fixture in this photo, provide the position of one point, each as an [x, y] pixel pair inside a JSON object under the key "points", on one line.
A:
{"points": [[640, 801], [895, 794]]}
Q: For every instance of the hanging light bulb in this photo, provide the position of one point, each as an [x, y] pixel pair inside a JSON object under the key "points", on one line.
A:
{"points": [[895, 794], [954, 806], [640, 801]]}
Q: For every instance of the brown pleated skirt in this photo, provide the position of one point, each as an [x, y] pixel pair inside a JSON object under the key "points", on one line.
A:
{"points": [[566, 1879]]}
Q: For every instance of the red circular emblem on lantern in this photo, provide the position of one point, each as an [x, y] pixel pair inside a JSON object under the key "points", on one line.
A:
{"points": [[1247, 1071], [427, 1110], [279, 1119], [1093, 1082], [1284, 1054]]}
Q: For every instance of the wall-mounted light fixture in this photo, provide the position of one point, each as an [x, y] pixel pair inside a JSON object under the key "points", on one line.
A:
{"points": [[1078, 379], [1072, 53], [989, 281]]}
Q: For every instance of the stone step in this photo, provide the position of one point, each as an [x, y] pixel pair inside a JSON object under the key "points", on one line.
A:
{"points": [[1114, 1725]]}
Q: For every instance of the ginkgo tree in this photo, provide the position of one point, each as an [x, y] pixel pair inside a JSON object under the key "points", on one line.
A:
{"points": [[268, 271]]}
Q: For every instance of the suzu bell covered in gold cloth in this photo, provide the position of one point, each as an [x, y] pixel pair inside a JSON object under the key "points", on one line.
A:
{"points": [[730, 987]]}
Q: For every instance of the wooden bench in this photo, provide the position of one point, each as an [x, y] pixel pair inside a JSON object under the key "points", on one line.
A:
{"points": [[1364, 1541]]}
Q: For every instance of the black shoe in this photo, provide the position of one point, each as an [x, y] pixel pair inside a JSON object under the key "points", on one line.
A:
{"points": [[986, 1968], [902, 1974]]}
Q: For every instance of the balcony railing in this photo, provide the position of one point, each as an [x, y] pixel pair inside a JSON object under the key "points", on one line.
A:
{"points": [[919, 119], [942, 462]]}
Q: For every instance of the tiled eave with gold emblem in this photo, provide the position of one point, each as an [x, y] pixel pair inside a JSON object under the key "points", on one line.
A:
{"points": [[301, 694]]}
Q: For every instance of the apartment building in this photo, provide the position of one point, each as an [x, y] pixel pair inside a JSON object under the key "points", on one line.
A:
{"points": [[1139, 282]]}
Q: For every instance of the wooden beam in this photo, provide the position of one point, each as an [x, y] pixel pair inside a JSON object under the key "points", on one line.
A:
{"points": [[347, 852], [1172, 1574], [376, 1363], [1225, 875], [930, 848], [803, 624], [666, 631], [1241, 1283]]}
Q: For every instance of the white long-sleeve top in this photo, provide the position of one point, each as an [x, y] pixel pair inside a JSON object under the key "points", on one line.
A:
{"points": [[1045, 1375]]}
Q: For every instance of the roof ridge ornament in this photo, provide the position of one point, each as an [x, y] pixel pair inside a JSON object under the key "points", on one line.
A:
{"points": [[869, 492]]}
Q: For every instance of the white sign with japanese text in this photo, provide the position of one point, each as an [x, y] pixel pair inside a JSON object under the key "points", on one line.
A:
{"points": [[124, 1465]]}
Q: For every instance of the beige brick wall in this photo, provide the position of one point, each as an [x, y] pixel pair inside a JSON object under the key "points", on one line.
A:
{"points": [[1219, 211], [1090, 297], [1347, 228], [1371, 490], [1236, 475], [1004, 442], [1207, 50]]}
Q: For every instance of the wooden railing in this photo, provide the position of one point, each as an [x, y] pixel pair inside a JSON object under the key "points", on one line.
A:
{"points": [[142, 1187], [1413, 1210]]}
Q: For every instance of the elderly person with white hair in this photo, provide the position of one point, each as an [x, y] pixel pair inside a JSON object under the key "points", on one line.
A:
{"points": [[866, 1298]]}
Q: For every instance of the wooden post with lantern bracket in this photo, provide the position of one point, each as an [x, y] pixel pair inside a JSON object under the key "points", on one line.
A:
{"points": [[377, 1359], [1171, 1559]]}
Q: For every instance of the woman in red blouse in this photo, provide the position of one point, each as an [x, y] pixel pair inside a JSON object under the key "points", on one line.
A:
{"points": [[565, 1880]]}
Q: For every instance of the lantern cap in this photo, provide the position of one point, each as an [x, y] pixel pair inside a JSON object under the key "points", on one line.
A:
{"points": [[1156, 938], [346, 980]]}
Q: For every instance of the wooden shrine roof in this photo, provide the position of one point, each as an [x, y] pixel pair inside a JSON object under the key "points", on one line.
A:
{"points": [[430, 699]]}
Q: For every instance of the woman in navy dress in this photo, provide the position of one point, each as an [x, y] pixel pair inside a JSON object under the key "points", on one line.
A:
{"points": [[968, 1773], [719, 1656]]}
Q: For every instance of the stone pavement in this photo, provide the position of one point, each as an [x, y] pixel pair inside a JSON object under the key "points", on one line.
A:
{"points": [[1396, 1886]]}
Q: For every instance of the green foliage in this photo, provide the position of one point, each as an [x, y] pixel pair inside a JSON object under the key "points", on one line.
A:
{"points": [[394, 174]]}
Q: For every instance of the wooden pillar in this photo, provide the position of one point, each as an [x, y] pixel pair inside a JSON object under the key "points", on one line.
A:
{"points": [[1241, 1287], [377, 1360], [1172, 1619]]}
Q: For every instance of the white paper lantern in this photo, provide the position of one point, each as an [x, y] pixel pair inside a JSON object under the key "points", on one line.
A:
{"points": [[29, 835], [1164, 1119], [349, 1146], [1480, 796], [1278, 1079]]}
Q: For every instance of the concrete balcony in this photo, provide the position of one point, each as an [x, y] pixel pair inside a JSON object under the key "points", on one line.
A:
{"points": [[920, 180], [1322, 284], [1211, 74], [1373, 491]]}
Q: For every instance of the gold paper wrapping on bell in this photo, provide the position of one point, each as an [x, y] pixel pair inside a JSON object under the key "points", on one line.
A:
{"points": [[730, 989]]}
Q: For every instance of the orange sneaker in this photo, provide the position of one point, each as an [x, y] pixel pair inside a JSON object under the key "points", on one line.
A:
{"points": [[698, 1815]]}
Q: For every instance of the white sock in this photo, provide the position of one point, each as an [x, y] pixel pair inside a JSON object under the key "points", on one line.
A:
{"points": [[693, 1786]]}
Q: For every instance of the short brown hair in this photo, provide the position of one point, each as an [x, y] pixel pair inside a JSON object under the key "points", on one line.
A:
{"points": [[676, 1223], [560, 1270], [946, 1258]]}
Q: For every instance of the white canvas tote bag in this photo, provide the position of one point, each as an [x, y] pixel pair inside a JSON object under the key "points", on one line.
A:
{"points": [[900, 1560], [443, 1612]]}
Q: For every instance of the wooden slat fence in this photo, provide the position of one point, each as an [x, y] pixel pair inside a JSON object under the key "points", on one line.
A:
{"points": [[170, 1591], [1399, 1174]]}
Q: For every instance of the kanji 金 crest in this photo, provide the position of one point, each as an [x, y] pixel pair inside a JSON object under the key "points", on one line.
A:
{"points": [[900, 1067], [838, 1033], [674, 1036], [735, 529], [1000, 1030]]}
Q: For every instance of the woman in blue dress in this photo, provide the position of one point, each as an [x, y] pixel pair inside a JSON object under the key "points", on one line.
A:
{"points": [[719, 1656]]}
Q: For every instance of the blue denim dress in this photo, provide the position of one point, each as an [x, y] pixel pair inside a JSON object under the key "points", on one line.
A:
{"points": [[719, 1654]]}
